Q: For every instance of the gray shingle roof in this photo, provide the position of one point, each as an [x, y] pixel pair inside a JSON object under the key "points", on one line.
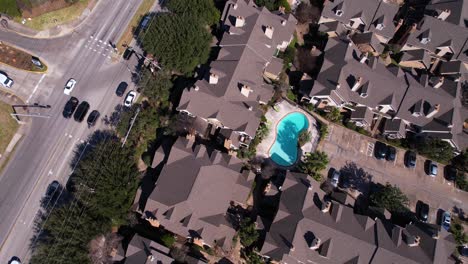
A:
{"points": [[195, 189], [345, 237], [245, 52], [458, 10], [140, 249]]}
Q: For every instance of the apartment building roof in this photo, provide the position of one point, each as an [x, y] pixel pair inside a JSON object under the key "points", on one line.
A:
{"points": [[344, 237], [194, 191]]}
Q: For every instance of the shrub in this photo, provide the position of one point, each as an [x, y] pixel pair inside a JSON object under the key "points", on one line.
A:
{"points": [[314, 163], [304, 137], [323, 131], [391, 198], [291, 95], [248, 233], [168, 239]]}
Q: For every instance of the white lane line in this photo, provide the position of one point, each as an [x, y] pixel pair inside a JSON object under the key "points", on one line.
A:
{"points": [[109, 57], [94, 50], [100, 41], [91, 36], [103, 54], [35, 88]]}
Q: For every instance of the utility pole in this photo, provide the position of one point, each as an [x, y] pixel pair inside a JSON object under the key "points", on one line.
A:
{"points": [[16, 116], [131, 125]]}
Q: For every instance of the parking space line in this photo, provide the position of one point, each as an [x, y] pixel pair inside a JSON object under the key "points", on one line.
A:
{"points": [[370, 148]]}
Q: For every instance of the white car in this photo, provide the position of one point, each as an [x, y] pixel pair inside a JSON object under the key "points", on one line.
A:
{"points": [[5, 81], [129, 98], [69, 86]]}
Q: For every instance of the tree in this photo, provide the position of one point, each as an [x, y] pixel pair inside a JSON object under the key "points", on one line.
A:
{"points": [[204, 10], [179, 41], [157, 87], [306, 13], [391, 198], [304, 137], [458, 232], [247, 232], [435, 149], [273, 5], [106, 180], [314, 163], [253, 258], [461, 161], [334, 115]]}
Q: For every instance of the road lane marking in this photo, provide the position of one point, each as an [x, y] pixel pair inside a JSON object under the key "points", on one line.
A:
{"points": [[35, 88], [100, 41]]}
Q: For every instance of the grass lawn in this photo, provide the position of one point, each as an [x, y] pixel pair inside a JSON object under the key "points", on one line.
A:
{"points": [[57, 17], [128, 34], [8, 126], [17, 58], [10, 8]]}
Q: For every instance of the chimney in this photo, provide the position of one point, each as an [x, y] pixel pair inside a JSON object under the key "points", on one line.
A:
{"points": [[235, 6], [433, 111], [213, 78], [246, 90], [439, 83], [400, 22], [282, 10], [396, 235], [240, 21], [326, 205], [269, 32], [413, 240], [357, 84], [444, 14], [364, 57], [315, 244], [196, 88]]}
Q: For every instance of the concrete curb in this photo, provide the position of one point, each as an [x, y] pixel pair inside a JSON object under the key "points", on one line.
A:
{"points": [[25, 51]]}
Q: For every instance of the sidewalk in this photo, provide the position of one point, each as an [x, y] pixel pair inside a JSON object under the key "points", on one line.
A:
{"points": [[54, 32]]}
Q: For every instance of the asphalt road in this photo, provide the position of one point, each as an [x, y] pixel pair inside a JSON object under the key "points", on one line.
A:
{"points": [[44, 153]]}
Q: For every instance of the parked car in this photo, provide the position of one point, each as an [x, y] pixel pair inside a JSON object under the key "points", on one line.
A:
{"points": [[464, 251], [130, 98], [450, 173], [70, 107], [5, 80], [446, 219], [391, 153], [432, 169], [145, 22], [423, 213], [81, 111], [52, 189], [128, 53], [410, 159], [14, 260], [92, 118], [69, 86], [121, 89], [380, 150], [335, 178]]}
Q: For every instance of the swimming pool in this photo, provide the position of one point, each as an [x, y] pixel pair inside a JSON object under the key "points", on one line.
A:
{"points": [[284, 150]]}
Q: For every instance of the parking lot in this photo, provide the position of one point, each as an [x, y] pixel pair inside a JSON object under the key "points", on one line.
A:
{"points": [[353, 154]]}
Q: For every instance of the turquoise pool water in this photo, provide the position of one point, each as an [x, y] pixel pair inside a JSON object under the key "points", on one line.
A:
{"points": [[284, 149]]}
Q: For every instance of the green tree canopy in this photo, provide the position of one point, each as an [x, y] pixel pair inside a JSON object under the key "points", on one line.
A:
{"points": [[314, 163], [391, 198], [461, 161], [435, 149], [247, 232], [204, 10], [107, 179], [178, 41]]}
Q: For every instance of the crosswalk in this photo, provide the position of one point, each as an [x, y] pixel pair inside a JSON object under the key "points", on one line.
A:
{"points": [[100, 47]]}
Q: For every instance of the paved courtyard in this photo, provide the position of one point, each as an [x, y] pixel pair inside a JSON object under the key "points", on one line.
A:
{"points": [[352, 153]]}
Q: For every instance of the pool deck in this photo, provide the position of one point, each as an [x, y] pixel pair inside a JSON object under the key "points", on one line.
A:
{"points": [[284, 108]]}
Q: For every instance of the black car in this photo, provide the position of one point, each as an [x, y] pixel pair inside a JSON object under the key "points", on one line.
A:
{"points": [[410, 159], [380, 150], [391, 153], [93, 117], [81, 111], [128, 53], [121, 89], [70, 107], [52, 189], [450, 173], [423, 211]]}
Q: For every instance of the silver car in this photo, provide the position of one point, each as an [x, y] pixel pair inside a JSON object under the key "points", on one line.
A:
{"points": [[5, 81], [335, 179], [130, 98]]}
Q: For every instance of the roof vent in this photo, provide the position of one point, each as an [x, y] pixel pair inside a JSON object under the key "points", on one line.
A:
{"points": [[434, 110], [439, 83], [418, 108], [213, 78], [151, 258], [425, 37], [444, 14], [326, 205], [364, 57], [240, 21], [380, 26], [234, 6], [413, 240], [269, 31], [339, 12], [315, 244], [196, 88], [283, 22]]}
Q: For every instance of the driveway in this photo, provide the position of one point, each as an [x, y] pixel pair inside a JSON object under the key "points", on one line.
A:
{"points": [[353, 154]]}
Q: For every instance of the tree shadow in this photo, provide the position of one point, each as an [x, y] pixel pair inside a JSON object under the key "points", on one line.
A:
{"points": [[83, 149], [356, 178]]}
